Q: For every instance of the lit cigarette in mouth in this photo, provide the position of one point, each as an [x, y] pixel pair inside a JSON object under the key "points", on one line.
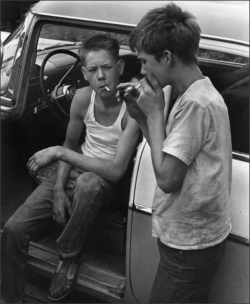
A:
{"points": [[107, 88]]}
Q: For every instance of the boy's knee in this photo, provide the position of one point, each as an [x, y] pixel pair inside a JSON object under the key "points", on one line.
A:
{"points": [[87, 182], [13, 228]]}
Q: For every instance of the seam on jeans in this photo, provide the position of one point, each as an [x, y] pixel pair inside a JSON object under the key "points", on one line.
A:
{"points": [[177, 282], [68, 251]]}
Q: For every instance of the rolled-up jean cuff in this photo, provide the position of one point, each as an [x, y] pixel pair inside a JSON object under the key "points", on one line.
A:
{"points": [[71, 253]]}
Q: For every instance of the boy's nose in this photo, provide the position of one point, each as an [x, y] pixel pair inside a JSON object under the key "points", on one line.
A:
{"points": [[100, 74], [143, 72]]}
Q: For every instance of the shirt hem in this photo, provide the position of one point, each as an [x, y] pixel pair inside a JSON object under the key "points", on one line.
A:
{"points": [[195, 247]]}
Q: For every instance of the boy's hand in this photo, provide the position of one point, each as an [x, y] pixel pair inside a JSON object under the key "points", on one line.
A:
{"points": [[151, 99], [40, 159], [131, 100], [61, 205]]}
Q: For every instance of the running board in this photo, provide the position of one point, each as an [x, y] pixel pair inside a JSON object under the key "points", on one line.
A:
{"points": [[97, 282]]}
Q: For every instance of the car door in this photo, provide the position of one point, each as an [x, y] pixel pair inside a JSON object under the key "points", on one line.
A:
{"points": [[227, 66]]}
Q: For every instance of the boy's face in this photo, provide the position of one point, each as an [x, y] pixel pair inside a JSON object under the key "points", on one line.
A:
{"points": [[150, 66], [101, 69]]}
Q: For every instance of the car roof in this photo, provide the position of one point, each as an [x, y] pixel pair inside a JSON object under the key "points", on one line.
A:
{"points": [[227, 19]]}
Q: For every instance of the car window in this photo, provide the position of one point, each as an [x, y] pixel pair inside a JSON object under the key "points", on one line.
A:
{"points": [[221, 56], [230, 75], [12, 51], [52, 34]]}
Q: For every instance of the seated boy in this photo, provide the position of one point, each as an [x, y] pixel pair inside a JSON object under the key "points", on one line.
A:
{"points": [[83, 181]]}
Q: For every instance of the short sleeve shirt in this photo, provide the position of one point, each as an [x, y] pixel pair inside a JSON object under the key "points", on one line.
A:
{"points": [[198, 133]]}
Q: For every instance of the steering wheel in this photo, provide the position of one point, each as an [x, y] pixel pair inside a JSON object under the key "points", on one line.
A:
{"points": [[60, 92]]}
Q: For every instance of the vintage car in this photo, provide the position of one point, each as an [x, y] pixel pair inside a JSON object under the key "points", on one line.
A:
{"points": [[40, 72]]}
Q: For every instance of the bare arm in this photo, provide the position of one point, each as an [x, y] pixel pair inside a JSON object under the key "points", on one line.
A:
{"points": [[112, 169], [74, 130]]}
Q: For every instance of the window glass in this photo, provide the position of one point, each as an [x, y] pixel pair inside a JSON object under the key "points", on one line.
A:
{"points": [[12, 51], [56, 34], [221, 56], [234, 87], [230, 76]]}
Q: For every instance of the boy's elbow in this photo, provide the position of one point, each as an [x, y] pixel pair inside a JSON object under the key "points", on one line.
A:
{"points": [[116, 174], [169, 186]]}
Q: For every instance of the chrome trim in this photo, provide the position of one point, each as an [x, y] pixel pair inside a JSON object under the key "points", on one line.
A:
{"points": [[6, 109], [85, 19], [143, 209], [223, 39], [135, 172], [238, 238], [241, 156]]}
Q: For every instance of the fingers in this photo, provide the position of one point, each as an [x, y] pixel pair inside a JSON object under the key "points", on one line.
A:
{"points": [[69, 207], [121, 90], [32, 166], [154, 83], [59, 217], [123, 86], [129, 99]]}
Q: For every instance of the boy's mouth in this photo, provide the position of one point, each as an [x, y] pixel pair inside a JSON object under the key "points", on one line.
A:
{"points": [[105, 87]]}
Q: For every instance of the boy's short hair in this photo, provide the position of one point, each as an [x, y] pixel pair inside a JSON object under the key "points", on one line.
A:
{"points": [[167, 28], [99, 42]]}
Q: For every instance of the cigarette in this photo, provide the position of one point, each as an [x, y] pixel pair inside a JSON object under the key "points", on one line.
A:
{"points": [[132, 88], [107, 88]]}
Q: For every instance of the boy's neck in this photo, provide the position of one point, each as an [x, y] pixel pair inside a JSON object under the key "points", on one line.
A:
{"points": [[108, 102], [185, 77]]}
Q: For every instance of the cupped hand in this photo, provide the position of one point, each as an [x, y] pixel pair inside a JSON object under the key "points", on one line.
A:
{"points": [[61, 205], [131, 100], [151, 100], [40, 159]]}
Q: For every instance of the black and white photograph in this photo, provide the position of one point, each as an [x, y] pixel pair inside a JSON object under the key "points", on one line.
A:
{"points": [[124, 151]]}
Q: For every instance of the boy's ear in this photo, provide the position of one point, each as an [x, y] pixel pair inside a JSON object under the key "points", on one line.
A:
{"points": [[84, 72], [167, 56], [121, 65]]}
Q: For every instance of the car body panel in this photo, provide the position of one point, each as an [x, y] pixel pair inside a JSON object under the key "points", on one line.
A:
{"points": [[4, 35]]}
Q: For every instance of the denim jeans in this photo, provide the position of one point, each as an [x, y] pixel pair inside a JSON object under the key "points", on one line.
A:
{"points": [[87, 192], [185, 276]]}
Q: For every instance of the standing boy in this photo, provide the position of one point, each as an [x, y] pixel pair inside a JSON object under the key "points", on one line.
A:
{"points": [[191, 155], [83, 182]]}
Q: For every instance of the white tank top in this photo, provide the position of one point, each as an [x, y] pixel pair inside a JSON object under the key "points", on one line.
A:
{"points": [[101, 141]]}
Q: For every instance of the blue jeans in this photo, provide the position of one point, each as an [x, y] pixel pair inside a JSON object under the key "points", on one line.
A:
{"points": [[185, 276], [87, 192]]}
